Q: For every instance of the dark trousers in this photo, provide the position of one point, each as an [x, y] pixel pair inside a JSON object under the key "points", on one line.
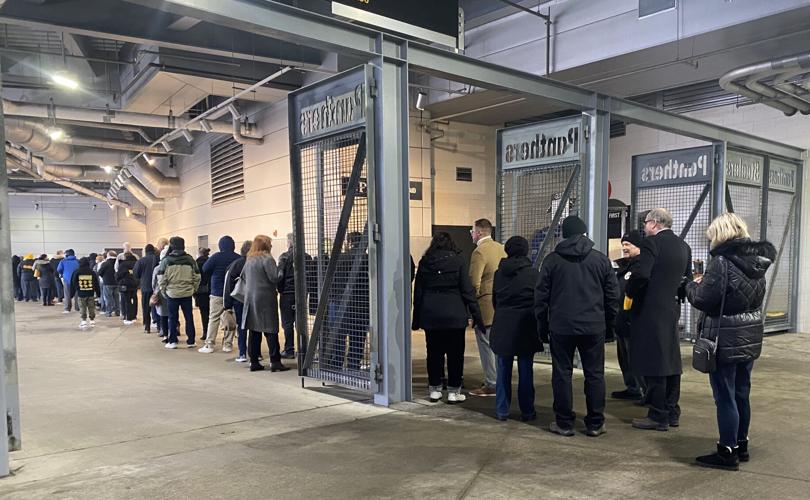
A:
{"points": [[129, 304], [731, 386], [47, 296], [175, 305], [443, 344], [633, 383], [18, 293], [255, 346], [163, 325], [155, 315], [592, 354], [287, 306], [69, 296], [146, 296], [241, 338], [663, 394], [503, 387], [31, 289], [60, 291], [203, 301]]}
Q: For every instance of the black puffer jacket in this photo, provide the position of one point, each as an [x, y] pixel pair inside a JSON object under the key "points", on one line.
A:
{"points": [[514, 327], [443, 296], [125, 275], [739, 330]]}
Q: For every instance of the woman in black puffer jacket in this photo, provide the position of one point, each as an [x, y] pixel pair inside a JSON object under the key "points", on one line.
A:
{"points": [[443, 300], [730, 297]]}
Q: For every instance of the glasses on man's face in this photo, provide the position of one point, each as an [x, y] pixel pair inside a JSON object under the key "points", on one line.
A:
{"points": [[648, 221]]}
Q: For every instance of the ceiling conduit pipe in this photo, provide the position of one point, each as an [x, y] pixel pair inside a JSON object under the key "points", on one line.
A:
{"points": [[237, 129], [112, 144], [153, 180], [758, 92], [62, 171], [141, 194], [34, 137]]}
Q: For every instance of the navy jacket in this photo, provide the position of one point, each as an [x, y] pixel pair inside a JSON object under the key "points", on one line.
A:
{"points": [[215, 267]]}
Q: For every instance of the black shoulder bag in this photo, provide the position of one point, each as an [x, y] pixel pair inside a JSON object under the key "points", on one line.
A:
{"points": [[704, 352]]}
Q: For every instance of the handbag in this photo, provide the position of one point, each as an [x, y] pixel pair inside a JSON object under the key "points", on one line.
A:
{"points": [[704, 351], [228, 320], [238, 292]]}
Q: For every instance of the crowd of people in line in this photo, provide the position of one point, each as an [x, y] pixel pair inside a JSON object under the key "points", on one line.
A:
{"points": [[577, 301]]}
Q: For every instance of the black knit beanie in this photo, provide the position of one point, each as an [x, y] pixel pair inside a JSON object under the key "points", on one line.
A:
{"points": [[516, 246], [633, 237], [573, 226]]}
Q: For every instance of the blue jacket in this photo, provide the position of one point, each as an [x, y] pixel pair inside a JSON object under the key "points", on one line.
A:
{"points": [[66, 268], [215, 267]]}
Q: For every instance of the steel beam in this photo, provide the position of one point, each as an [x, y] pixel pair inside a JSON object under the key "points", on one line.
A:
{"points": [[596, 175], [719, 188]]}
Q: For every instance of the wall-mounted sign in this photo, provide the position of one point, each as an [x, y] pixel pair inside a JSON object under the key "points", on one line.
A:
{"points": [[431, 20], [415, 190], [744, 168], [541, 143], [782, 176], [328, 107], [682, 166]]}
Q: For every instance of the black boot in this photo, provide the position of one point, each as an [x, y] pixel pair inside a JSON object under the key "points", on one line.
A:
{"points": [[725, 458], [742, 450], [278, 367]]}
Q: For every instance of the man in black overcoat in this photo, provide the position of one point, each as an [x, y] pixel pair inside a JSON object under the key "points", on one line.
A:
{"points": [[664, 266]]}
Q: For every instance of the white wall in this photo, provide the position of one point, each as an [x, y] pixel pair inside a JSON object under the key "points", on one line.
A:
{"points": [[759, 120], [65, 222]]}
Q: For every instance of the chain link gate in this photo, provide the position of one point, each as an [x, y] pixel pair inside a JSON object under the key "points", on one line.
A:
{"points": [[331, 214], [681, 182]]}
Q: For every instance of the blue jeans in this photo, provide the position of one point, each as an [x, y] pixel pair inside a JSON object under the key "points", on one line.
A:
{"points": [[241, 339], [731, 386], [184, 304], [503, 386], [111, 296]]}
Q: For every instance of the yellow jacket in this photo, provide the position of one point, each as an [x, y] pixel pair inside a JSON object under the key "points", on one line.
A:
{"points": [[483, 264]]}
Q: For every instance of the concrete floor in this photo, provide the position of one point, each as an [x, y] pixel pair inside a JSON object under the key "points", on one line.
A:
{"points": [[110, 414]]}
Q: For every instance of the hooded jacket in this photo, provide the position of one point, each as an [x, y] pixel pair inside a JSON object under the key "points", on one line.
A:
{"points": [[577, 293], [286, 271], [106, 272], [84, 282], [125, 272], [444, 297], [65, 268], [514, 329], [178, 275], [216, 266], [741, 265], [144, 269]]}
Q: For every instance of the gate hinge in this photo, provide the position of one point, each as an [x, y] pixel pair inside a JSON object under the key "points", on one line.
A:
{"points": [[376, 233], [378, 374], [716, 159], [586, 132], [372, 88]]}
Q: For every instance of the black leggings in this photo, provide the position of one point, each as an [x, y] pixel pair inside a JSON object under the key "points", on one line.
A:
{"points": [[146, 296], [129, 304], [441, 344]]}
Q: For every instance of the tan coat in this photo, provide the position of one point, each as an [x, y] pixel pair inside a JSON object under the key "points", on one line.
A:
{"points": [[483, 264]]}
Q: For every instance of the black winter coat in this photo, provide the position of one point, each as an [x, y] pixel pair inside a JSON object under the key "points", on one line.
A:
{"points": [[106, 271], [740, 265], [143, 271], [577, 292], [664, 264], [26, 270], [205, 278], [47, 275], [444, 297], [15, 267], [125, 275], [514, 327], [232, 274]]}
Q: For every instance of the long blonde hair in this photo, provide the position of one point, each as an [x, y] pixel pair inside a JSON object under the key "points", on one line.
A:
{"points": [[262, 245], [726, 227]]}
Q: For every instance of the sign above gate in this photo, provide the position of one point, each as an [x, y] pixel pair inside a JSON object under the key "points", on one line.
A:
{"points": [[669, 168], [542, 143], [744, 168], [334, 105], [782, 176]]}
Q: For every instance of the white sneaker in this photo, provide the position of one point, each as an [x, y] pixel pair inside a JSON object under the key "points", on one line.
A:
{"points": [[65, 312], [155, 326], [241, 359], [435, 396], [170, 345], [82, 325], [92, 323], [456, 397], [206, 349], [227, 348], [127, 322]]}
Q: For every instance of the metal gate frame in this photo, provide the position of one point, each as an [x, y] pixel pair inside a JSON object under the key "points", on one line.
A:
{"points": [[305, 98]]}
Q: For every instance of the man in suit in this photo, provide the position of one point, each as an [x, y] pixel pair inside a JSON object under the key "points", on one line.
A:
{"points": [[664, 266], [483, 264]]}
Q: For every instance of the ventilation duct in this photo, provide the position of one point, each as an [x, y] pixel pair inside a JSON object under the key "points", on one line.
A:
{"points": [[154, 181], [34, 137], [141, 194], [767, 82]]}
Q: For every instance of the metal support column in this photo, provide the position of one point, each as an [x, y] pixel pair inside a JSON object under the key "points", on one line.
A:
{"points": [[390, 158], [595, 175], [9, 392], [719, 179]]}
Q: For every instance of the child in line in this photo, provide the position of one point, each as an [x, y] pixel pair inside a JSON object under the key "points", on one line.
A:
{"points": [[85, 284]]}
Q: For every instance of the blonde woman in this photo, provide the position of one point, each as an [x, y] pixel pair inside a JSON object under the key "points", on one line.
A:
{"points": [[730, 297], [260, 314]]}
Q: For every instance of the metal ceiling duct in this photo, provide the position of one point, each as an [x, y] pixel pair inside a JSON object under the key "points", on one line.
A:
{"points": [[140, 193], [34, 137], [153, 180], [767, 82], [72, 172]]}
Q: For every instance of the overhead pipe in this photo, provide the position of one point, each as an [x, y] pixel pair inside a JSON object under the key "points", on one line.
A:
{"points": [[237, 129], [72, 172], [153, 180], [140, 193], [34, 137], [752, 87], [111, 144]]}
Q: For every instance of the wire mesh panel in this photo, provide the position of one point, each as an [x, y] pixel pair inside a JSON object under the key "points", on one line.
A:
{"points": [[781, 231], [743, 175], [530, 198], [679, 181]]}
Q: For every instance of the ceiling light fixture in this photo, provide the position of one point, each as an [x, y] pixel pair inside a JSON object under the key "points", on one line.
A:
{"points": [[55, 133], [167, 146], [149, 160], [187, 135], [107, 168], [421, 99], [65, 80]]}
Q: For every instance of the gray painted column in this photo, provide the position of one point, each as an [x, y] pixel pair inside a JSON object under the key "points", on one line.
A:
{"points": [[595, 176], [719, 179], [9, 392], [390, 157]]}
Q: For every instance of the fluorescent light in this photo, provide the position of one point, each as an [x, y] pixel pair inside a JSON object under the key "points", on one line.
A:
{"points": [[128, 211], [421, 97], [64, 80], [107, 168], [150, 161], [55, 133]]}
